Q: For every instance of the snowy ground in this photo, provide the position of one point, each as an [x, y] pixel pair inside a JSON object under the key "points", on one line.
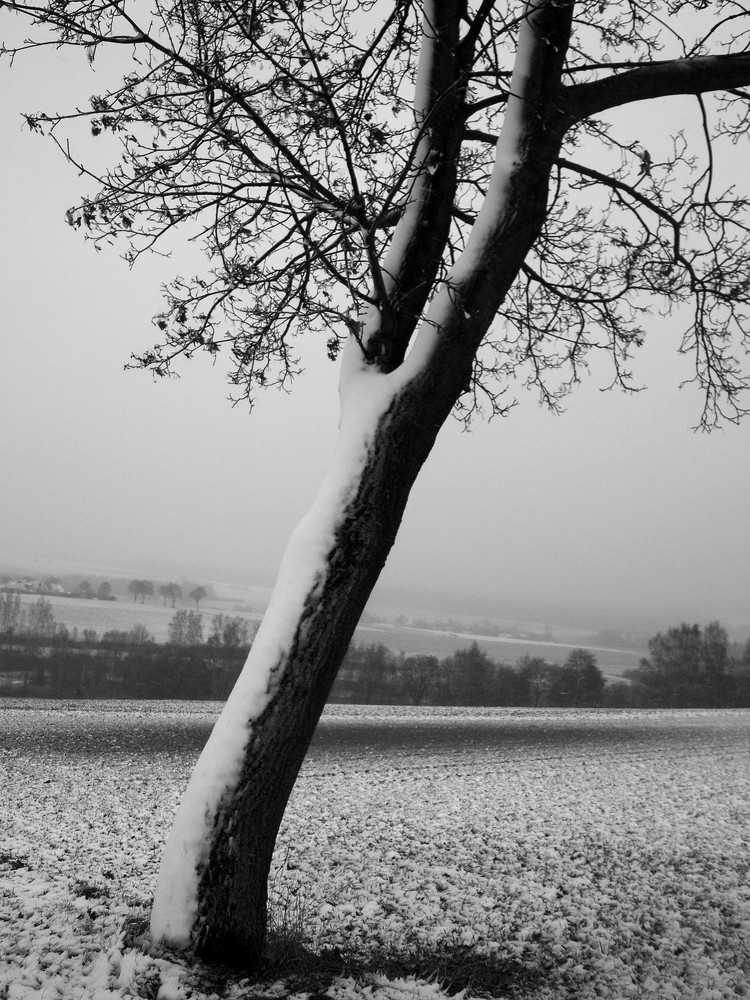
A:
{"points": [[559, 853]]}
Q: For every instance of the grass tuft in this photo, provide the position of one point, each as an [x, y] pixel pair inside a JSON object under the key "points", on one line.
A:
{"points": [[12, 861], [89, 890]]}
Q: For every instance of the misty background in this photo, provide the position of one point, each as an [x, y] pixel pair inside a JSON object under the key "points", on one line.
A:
{"points": [[614, 512]]}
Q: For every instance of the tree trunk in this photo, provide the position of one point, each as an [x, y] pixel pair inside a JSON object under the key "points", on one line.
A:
{"points": [[212, 891]]}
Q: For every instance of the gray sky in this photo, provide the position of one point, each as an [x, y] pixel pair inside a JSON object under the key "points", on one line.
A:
{"points": [[617, 501]]}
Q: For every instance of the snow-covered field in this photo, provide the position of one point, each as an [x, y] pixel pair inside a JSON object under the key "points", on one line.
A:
{"points": [[562, 853]]}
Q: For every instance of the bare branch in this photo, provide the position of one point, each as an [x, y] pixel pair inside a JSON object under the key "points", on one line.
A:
{"points": [[696, 75]]}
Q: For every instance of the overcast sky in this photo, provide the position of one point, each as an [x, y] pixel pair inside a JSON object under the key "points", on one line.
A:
{"points": [[617, 501]]}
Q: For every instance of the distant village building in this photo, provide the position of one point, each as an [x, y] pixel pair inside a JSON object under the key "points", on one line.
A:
{"points": [[24, 586], [27, 585]]}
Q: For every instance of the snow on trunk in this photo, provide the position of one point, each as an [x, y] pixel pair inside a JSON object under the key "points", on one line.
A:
{"points": [[366, 396], [408, 226], [509, 156]]}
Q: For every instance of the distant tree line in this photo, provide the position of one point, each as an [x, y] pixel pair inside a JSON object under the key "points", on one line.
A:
{"points": [[41, 657], [77, 586], [687, 667], [692, 667], [171, 592], [376, 675]]}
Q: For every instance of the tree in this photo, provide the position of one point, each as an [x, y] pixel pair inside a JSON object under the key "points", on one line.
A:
{"points": [[536, 680], [40, 619], [444, 191], [686, 667], [140, 588], [186, 628], [230, 631], [197, 595], [170, 592], [139, 635], [417, 675], [578, 682], [715, 662], [11, 612], [671, 672], [193, 629], [468, 676], [104, 592], [372, 668], [506, 686], [177, 628], [116, 637]]}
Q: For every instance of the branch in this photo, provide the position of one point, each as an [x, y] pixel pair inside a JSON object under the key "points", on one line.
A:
{"points": [[617, 185], [671, 78], [526, 150], [419, 240]]}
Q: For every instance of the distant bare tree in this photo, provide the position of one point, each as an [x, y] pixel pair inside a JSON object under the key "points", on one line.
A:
{"points": [[229, 630], [11, 612], [40, 619], [170, 592], [140, 588], [197, 595], [536, 677], [139, 635], [417, 674]]}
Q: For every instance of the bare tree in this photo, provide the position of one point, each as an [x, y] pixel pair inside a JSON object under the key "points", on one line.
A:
{"points": [[443, 190], [197, 595], [140, 588], [170, 592], [186, 628], [417, 674], [11, 612]]}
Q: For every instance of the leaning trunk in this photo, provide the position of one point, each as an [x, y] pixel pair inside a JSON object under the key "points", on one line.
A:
{"points": [[212, 890]]}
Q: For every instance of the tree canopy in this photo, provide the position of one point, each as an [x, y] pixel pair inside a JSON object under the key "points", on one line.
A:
{"points": [[308, 146]]}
